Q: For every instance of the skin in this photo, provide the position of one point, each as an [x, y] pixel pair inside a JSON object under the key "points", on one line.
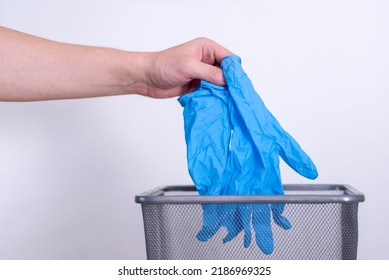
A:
{"points": [[34, 69]]}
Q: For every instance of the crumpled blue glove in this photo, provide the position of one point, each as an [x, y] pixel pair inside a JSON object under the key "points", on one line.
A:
{"points": [[233, 147], [207, 134], [258, 128]]}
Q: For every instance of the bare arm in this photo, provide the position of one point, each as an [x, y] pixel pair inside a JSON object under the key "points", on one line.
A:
{"points": [[33, 68]]}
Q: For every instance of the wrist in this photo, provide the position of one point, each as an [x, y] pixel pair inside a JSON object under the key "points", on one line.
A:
{"points": [[135, 71]]}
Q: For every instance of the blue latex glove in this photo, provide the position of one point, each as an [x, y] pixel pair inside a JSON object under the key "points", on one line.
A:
{"points": [[265, 141], [233, 147], [207, 134], [212, 162], [269, 138]]}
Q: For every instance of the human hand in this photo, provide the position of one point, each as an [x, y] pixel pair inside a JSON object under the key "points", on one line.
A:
{"points": [[178, 70]]}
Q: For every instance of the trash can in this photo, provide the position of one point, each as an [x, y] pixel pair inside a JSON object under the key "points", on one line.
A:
{"points": [[324, 224]]}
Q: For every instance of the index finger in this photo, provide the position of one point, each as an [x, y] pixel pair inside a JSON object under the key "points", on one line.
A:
{"points": [[212, 52]]}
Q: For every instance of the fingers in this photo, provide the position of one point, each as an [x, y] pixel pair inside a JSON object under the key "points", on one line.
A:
{"points": [[211, 222], [262, 227], [212, 52], [232, 221], [245, 214], [210, 73], [208, 62], [280, 220], [178, 70], [296, 158]]}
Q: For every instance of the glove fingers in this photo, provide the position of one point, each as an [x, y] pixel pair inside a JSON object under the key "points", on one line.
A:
{"points": [[211, 222], [232, 221], [206, 233], [240, 166], [245, 214], [280, 220], [262, 227], [296, 158], [274, 184]]}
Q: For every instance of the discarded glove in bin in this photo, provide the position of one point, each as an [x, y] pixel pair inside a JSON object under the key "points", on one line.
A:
{"points": [[233, 148]]}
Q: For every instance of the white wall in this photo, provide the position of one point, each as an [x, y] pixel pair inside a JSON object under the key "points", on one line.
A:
{"points": [[69, 170]]}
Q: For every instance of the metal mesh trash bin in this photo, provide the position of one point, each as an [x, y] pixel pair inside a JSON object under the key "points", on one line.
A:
{"points": [[324, 219]]}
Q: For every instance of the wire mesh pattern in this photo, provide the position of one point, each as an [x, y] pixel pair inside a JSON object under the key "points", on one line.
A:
{"points": [[319, 231]]}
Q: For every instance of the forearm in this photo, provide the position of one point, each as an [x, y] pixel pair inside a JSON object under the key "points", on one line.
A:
{"points": [[33, 68]]}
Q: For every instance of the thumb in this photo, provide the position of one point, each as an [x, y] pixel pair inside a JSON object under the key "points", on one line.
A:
{"points": [[296, 158], [210, 73]]}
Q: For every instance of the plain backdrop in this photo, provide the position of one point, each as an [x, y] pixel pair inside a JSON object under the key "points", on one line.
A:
{"points": [[69, 170]]}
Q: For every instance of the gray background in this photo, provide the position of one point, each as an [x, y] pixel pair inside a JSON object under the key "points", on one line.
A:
{"points": [[69, 170]]}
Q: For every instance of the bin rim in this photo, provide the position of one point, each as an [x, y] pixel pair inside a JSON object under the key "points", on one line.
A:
{"points": [[350, 195]]}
